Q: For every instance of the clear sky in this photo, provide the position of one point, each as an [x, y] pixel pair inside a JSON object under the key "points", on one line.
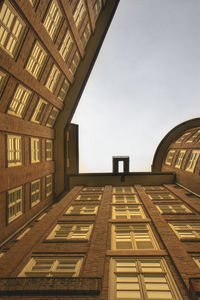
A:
{"points": [[146, 80]]}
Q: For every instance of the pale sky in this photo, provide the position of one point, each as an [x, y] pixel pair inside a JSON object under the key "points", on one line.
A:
{"points": [[146, 80]]}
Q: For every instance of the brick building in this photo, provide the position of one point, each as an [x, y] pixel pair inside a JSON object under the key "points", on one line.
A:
{"points": [[65, 235]]}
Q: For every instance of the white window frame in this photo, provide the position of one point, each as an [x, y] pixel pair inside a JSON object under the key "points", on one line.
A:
{"points": [[63, 90], [172, 208], [14, 203], [53, 19], [71, 232], [53, 79], [49, 149], [123, 190], [49, 184], [169, 157], [80, 14], [49, 266], [89, 197], [19, 101], [39, 111], [52, 117], [180, 158], [75, 62], [11, 28], [14, 150], [127, 212], [66, 46], [186, 230], [35, 150], [192, 162], [35, 192], [161, 196], [125, 199], [36, 60], [82, 210]]}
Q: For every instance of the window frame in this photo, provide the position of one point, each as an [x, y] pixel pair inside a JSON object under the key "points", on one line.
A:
{"points": [[17, 202], [68, 234], [35, 150], [82, 210], [35, 192], [49, 151], [20, 101], [79, 14], [125, 199], [52, 117], [172, 209], [53, 19], [170, 156], [49, 185], [188, 225], [127, 215], [66, 46], [39, 111], [179, 159], [36, 60], [17, 150], [53, 78], [192, 161], [89, 196]]}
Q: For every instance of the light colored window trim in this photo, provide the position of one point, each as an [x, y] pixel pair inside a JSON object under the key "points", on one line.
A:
{"points": [[66, 46], [154, 188], [14, 202], [39, 112], [194, 136], [63, 90], [192, 162], [35, 150], [80, 14], [89, 197], [97, 8], [133, 235], [125, 199], [19, 101], [169, 157], [173, 209], [161, 196], [186, 231], [49, 184], [123, 190], [53, 19], [36, 60], [74, 63], [82, 210], [86, 35], [129, 277], [93, 189], [14, 150], [179, 159], [11, 28], [71, 232], [53, 79], [49, 267], [127, 212], [182, 137], [35, 192], [52, 117], [49, 149], [2, 78]]}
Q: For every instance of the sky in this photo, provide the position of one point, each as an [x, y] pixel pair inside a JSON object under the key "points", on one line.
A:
{"points": [[146, 80]]}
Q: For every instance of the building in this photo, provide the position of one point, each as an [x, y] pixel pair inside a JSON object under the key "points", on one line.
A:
{"points": [[65, 235]]}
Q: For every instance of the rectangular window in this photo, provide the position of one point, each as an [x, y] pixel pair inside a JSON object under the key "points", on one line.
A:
{"points": [[193, 137], [74, 63], [123, 190], [182, 137], [36, 60], [121, 212], [71, 232], [89, 197], [49, 149], [180, 159], [53, 19], [80, 14], [186, 231], [135, 236], [169, 158], [11, 28], [97, 8], [35, 150], [191, 164], [53, 79], [35, 192], [14, 202], [141, 278], [19, 101], [125, 199], [161, 196], [63, 90], [66, 46], [52, 117], [39, 112], [49, 185], [86, 35], [52, 267], [93, 189], [14, 150], [82, 210], [154, 188], [173, 209]]}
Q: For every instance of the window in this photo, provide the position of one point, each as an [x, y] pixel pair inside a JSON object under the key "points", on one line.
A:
{"points": [[97, 8], [71, 232], [173, 209], [161, 196], [11, 28], [186, 231], [36, 60], [63, 90], [123, 190], [35, 192], [133, 236], [90, 197], [154, 188], [82, 210], [66, 46], [127, 212], [93, 189], [14, 150], [14, 200], [74, 63], [35, 150], [193, 137], [169, 158], [182, 137], [39, 111], [125, 199], [53, 79], [19, 102], [53, 19], [52, 267], [49, 180], [180, 159], [191, 164], [49, 149], [86, 35], [80, 14], [141, 278], [52, 117]]}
